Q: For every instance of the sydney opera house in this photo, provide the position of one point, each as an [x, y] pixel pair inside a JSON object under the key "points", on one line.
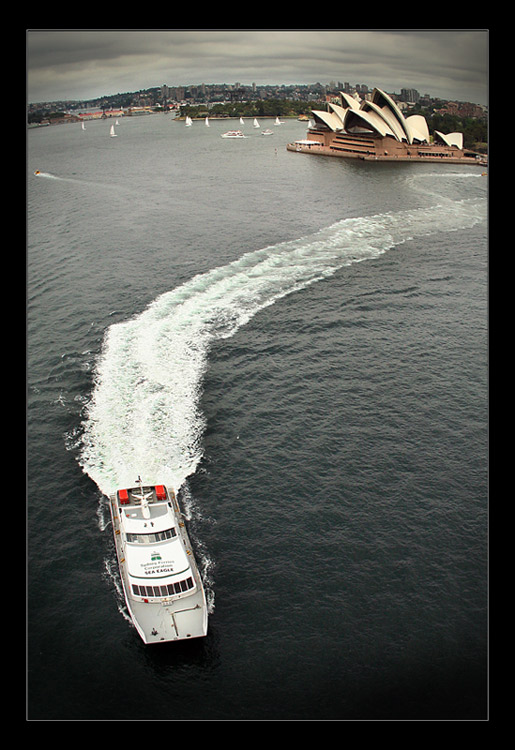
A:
{"points": [[376, 130]]}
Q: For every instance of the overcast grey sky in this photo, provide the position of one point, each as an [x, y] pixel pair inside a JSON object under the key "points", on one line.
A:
{"points": [[84, 64]]}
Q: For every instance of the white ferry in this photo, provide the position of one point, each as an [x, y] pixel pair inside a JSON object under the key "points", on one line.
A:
{"points": [[161, 581], [233, 134]]}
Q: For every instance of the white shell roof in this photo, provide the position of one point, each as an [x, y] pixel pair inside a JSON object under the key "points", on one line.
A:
{"points": [[380, 115], [384, 113], [349, 101], [451, 139], [370, 120], [417, 127], [332, 121]]}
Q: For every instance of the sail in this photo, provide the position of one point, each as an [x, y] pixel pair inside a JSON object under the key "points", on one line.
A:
{"points": [[207, 121], [111, 132], [256, 123]]}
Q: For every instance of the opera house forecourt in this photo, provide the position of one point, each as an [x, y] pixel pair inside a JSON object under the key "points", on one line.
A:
{"points": [[376, 130]]}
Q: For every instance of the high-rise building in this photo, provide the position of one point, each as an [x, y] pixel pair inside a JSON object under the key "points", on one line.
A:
{"points": [[410, 95]]}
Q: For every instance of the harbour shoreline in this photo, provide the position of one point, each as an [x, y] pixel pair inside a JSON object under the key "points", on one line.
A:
{"points": [[442, 157]]}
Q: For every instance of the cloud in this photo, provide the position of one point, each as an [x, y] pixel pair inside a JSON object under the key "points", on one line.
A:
{"points": [[89, 63]]}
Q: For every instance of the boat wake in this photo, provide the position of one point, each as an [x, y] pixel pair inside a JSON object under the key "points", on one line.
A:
{"points": [[59, 178], [37, 173], [144, 414], [112, 575]]}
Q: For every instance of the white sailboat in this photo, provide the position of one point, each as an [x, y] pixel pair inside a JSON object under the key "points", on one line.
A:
{"points": [[83, 126], [189, 121], [111, 132], [278, 122], [207, 122], [241, 121], [256, 123]]}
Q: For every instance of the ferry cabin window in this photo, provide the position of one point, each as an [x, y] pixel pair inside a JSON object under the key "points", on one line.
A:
{"points": [[169, 590], [159, 536]]}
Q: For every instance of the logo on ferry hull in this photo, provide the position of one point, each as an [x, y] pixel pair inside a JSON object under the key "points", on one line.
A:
{"points": [[156, 565]]}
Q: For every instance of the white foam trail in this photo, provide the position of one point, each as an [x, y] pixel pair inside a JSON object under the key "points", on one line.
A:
{"points": [[144, 415], [112, 574]]}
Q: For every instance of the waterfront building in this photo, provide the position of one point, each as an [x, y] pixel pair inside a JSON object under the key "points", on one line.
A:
{"points": [[375, 129]]}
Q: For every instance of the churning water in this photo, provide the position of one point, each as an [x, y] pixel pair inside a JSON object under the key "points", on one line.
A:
{"points": [[297, 345]]}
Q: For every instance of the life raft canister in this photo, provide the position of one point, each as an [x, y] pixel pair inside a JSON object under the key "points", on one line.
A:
{"points": [[123, 497]]}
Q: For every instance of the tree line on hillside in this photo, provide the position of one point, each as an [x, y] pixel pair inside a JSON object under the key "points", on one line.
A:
{"points": [[257, 108]]}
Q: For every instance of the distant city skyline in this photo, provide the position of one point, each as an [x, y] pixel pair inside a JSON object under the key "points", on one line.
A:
{"points": [[89, 63]]}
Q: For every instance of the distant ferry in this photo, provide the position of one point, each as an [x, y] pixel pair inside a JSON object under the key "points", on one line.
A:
{"points": [[233, 134], [161, 581]]}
